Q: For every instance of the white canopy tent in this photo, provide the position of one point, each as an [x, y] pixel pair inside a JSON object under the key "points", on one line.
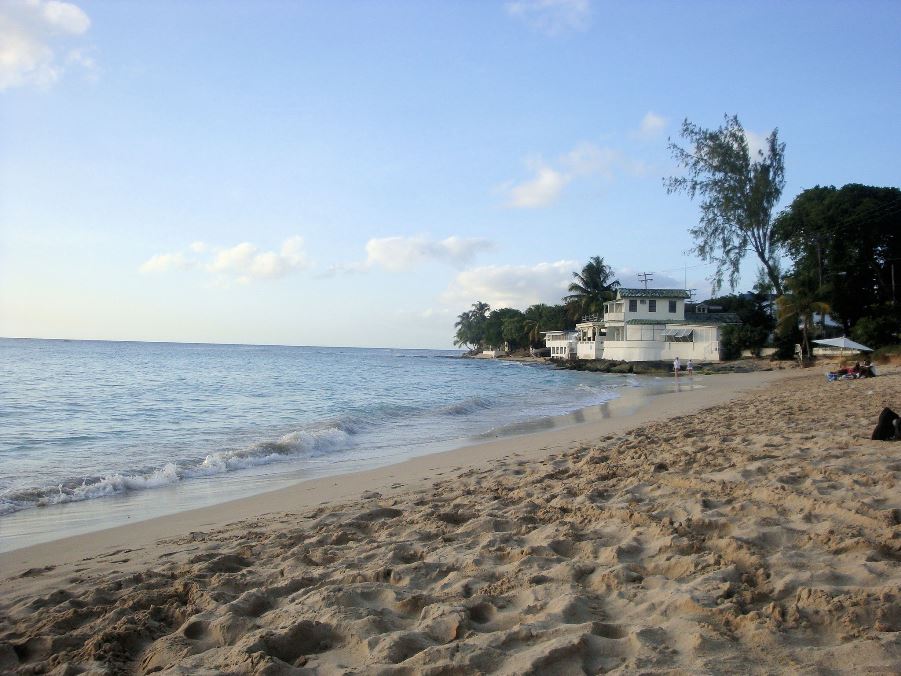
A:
{"points": [[843, 343]]}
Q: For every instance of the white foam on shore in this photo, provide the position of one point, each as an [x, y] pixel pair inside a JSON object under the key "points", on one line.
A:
{"points": [[301, 443]]}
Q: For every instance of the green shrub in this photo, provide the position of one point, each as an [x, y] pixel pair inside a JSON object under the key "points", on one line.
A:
{"points": [[744, 337], [876, 331], [730, 343], [785, 341]]}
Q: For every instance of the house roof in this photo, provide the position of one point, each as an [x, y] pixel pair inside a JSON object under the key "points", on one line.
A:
{"points": [[695, 318], [712, 318], [652, 293]]}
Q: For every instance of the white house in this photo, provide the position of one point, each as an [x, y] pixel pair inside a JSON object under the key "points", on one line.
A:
{"points": [[591, 339], [652, 325], [562, 344]]}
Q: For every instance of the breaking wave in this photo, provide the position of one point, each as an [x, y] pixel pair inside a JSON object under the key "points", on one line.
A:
{"points": [[294, 445]]}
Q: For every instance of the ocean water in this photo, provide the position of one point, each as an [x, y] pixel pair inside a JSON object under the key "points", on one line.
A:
{"points": [[131, 427]]}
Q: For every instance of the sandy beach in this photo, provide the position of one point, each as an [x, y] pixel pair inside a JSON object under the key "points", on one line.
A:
{"points": [[749, 526]]}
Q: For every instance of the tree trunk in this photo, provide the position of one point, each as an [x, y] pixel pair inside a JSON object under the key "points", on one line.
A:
{"points": [[771, 274]]}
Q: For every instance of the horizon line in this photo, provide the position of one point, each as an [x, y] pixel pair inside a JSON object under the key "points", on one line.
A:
{"points": [[194, 342]]}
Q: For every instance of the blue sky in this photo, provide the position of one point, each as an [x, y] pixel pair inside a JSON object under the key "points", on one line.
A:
{"points": [[358, 173]]}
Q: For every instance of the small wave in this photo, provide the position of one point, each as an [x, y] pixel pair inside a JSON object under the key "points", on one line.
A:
{"points": [[293, 444], [466, 406], [301, 443]]}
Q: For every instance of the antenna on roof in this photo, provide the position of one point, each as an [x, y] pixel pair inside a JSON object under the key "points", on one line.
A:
{"points": [[691, 293], [645, 278]]}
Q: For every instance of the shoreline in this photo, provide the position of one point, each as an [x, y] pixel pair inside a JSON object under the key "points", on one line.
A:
{"points": [[616, 415], [286, 449], [29, 527], [746, 528]]}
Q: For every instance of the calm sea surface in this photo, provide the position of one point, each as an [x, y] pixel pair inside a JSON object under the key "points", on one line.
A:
{"points": [[94, 432]]}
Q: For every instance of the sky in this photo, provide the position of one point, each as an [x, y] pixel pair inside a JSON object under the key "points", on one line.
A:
{"points": [[358, 173]]}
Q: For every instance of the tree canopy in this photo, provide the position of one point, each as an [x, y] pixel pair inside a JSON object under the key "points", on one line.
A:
{"points": [[737, 194], [845, 242]]}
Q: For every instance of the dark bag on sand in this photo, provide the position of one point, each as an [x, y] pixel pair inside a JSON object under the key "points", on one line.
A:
{"points": [[885, 427]]}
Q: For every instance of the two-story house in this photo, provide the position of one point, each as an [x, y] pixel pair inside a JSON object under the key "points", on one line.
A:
{"points": [[652, 325]]}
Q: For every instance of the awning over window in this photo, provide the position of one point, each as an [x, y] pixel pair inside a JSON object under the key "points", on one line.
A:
{"points": [[678, 333]]}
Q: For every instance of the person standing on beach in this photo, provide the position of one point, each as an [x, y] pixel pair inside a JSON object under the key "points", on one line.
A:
{"points": [[689, 368], [676, 366]]}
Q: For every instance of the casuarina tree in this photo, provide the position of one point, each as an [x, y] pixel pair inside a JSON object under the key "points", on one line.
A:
{"points": [[737, 193]]}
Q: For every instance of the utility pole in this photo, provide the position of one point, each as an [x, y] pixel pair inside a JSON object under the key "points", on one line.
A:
{"points": [[645, 278]]}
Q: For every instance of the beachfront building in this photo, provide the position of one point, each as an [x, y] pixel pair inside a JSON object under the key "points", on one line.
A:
{"points": [[653, 325], [562, 344], [591, 338]]}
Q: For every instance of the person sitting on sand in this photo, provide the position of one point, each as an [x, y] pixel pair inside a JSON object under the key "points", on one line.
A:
{"points": [[888, 427], [868, 370]]}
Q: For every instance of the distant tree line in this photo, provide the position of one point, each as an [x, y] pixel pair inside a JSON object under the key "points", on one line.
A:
{"points": [[482, 327]]}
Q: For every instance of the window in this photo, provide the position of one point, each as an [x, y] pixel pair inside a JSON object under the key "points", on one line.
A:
{"points": [[652, 306], [672, 307], [633, 305]]}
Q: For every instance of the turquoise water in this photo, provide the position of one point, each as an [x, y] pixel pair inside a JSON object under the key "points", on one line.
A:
{"points": [[88, 421]]}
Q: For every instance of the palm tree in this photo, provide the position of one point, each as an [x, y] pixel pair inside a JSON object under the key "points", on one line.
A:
{"points": [[534, 321], [471, 326], [479, 310], [592, 288], [800, 302], [464, 330]]}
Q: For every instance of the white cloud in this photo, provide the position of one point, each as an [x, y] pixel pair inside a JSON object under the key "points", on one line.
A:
{"points": [[652, 126], [242, 263], [757, 143], [31, 34], [396, 254], [246, 262], [63, 16], [540, 191], [549, 179], [167, 261], [628, 277], [512, 285], [552, 17], [588, 158], [402, 253]]}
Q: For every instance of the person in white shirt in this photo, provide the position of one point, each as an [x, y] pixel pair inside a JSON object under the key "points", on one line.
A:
{"points": [[676, 366]]}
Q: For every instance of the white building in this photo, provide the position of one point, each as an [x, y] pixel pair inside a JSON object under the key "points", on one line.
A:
{"points": [[652, 325], [562, 344], [591, 339]]}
